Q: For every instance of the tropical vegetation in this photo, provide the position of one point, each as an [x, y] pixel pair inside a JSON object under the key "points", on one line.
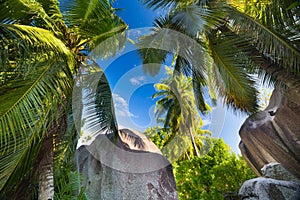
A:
{"points": [[44, 49], [217, 174], [227, 47], [238, 41], [41, 51], [176, 108]]}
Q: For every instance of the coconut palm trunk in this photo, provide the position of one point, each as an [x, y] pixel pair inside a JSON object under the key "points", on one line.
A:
{"points": [[46, 171], [194, 143]]}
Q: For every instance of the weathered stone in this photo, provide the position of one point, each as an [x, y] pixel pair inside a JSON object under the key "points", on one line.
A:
{"points": [[278, 172], [269, 189], [273, 135], [131, 168]]}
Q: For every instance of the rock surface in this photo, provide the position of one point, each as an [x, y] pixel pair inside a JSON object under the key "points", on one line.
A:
{"points": [[277, 184], [276, 171], [273, 135], [269, 189], [131, 168]]}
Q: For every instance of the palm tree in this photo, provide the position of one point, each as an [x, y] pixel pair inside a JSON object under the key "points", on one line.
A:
{"points": [[41, 50], [238, 38], [177, 103], [243, 39]]}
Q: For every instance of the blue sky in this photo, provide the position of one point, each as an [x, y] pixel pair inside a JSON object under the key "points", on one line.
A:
{"points": [[132, 88]]}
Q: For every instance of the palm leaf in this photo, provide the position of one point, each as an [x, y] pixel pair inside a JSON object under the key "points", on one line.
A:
{"points": [[52, 9], [231, 79], [94, 20], [197, 19], [152, 60], [198, 93], [167, 38], [98, 116], [161, 4], [278, 47], [25, 120], [25, 12], [22, 45], [110, 46]]}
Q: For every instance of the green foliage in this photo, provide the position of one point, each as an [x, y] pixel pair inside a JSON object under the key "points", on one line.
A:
{"points": [[66, 178], [68, 185], [157, 135], [177, 105], [39, 54], [218, 174], [175, 147], [237, 38]]}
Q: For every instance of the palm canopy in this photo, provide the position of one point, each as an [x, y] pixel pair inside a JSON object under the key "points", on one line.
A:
{"points": [[41, 49], [177, 105], [239, 38]]}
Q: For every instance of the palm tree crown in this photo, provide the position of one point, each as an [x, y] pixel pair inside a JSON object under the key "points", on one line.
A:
{"points": [[177, 104], [239, 38]]}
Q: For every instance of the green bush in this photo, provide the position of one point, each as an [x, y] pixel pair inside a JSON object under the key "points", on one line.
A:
{"points": [[216, 175]]}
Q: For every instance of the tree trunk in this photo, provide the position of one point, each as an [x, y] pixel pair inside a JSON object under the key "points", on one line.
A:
{"points": [[194, 143], [46, 168]]}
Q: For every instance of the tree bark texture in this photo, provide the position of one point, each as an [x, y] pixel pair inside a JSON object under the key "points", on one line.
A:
{"points": [[46, 170]]}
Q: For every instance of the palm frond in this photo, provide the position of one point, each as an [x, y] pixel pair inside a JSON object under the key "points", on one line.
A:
{"points": [[25, 119], [258, 64], [153, 58], [197, 19], [198, 93], [230, 76], [172, 115], [162, 106], [88, 9], [161, 4], [22, 45], [109, 47], [94, 20], [52, 9], [25, 12], [98, 116], [210, 83], [274, 42], [170, 38]]}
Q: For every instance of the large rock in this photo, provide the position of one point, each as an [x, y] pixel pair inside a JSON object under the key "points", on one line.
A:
{"points": [[277, 184], [273, 135], [130, 168], [269, 189], [278, 172]]}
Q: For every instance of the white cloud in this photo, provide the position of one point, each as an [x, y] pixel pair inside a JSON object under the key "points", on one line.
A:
{"points": [[206, 122], [138, 80], [121, 107]]}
